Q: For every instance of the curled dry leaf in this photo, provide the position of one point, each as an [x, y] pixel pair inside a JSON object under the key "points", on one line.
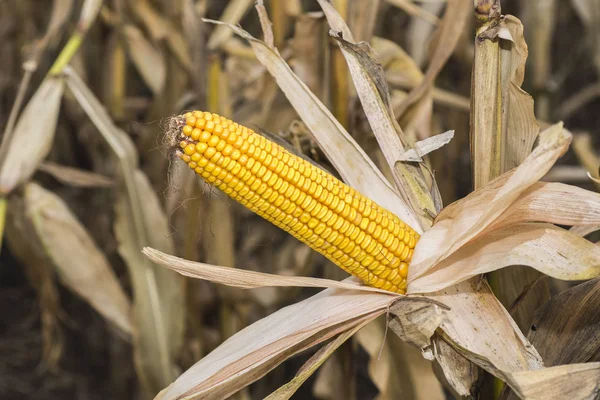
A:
{"points": [[503, 124], [80, 264], [247, 279], [575, 381], [458, 373], [310, 367], [481, 330], [75, 177], [416, 321], [554, 251], [161, 29], [140, 221], [467, 218], [148, 59], [426, 146], [567, 328], [355, 167], [260, 347], [233, 13], [371, 86], [448, 34], [35, 132], [158, 293]]}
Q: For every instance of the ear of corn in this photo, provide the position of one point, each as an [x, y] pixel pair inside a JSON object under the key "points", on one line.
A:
{"points": [[334, 219]]}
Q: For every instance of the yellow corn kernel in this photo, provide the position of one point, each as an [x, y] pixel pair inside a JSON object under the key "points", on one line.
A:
{"points": [[350, 229]]}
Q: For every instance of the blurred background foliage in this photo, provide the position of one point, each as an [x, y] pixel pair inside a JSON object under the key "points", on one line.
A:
{"points": [[83, 316]]}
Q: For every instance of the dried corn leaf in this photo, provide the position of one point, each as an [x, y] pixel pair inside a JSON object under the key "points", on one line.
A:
{"points": [[503, 125], [158, 293], [260, 347], [89, 12], [426, 146], [416, 321], [310, 367], [75, 177], [467, 218], [233, 13], [566, 329], [454, 370], [419, 32], [575, 381], [448, 34], [161, 29], [24, 246], [148, 59], [35, 132], [247, 279], [346, 155], [372, 89], [81, 266], [554, 251], [390, 358], [481, 330], [519, 125], [556, 203], [400, 68], [61, 11]]}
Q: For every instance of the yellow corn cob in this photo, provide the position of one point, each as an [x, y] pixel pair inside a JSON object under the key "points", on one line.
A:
{"points": [[334, 219]]}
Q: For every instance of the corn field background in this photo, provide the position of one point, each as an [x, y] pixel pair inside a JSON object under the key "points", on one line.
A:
{"points": [[92, 84]]}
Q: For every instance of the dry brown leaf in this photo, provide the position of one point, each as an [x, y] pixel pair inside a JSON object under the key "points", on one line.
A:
{"points": [[419, 33], [61, 11], [575, 381], [448, 34], [310, 367], [371, 87], [503, 125], [400, 68], [467, 218], [397, 369], [556, 203], [75, 177], [349, 159], [80, 264], [566, 329], [35, 132], [158, 293], [260, 347], [248, 279], [481, 330], [519, 125], [160, 28], [458, 374], [416, 321], [233, 13], [426, 146], [148, 59], [416, 11], [549, 249]]}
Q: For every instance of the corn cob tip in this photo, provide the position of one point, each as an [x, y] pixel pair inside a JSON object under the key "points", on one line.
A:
{"points": [[334, 219]]}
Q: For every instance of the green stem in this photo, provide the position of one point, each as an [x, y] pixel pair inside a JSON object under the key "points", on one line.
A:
{"points": [[67, 53]]}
